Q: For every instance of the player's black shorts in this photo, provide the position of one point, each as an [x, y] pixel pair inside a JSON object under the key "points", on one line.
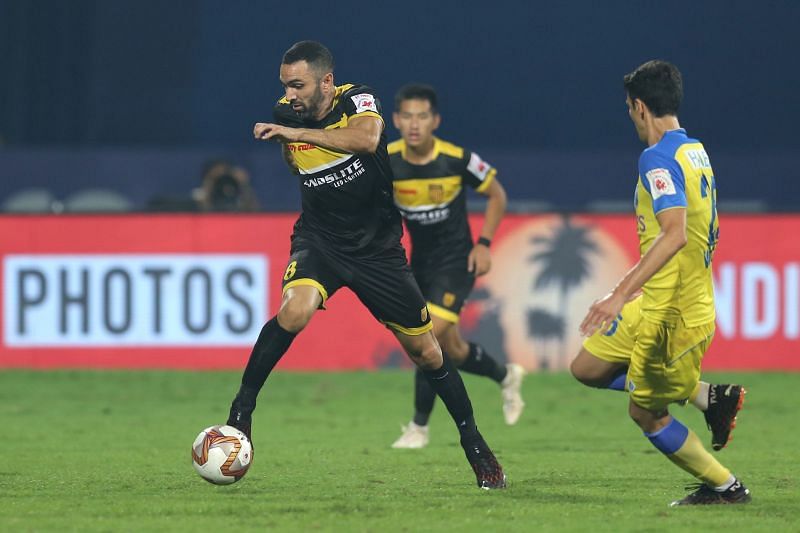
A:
{"points": [[382, 281], [446, 291]]}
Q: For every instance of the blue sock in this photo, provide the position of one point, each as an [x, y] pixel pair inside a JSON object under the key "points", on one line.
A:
{"points": [[670, 438], [618, 383]]}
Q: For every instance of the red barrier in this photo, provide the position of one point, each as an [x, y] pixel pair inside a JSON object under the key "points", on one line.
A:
{"points": [[178, 291]]}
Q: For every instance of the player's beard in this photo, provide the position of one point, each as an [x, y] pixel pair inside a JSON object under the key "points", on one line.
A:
{"points": [[313, 106]]}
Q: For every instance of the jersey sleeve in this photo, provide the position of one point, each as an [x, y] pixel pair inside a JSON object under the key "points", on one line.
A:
{"points": [[477, 173], [663, 178], [361, 102]]}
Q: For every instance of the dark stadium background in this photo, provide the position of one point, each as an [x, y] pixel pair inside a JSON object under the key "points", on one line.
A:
{"points": [[135, 96]]}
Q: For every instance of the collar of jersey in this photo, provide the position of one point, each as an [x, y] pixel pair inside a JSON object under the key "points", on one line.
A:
{"points": [[679, 131]]}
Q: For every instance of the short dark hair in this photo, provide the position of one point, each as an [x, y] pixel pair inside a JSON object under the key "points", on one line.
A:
{"points": [[417, 91], [315, 54], [658, 84]]}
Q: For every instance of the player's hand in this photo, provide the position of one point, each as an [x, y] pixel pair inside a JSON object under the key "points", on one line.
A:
{"points": [[266, 131], [602, 313], [479, 261]]}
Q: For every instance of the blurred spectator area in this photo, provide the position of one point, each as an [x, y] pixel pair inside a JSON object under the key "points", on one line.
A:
{"points": [[159, 179], [121, 96]]}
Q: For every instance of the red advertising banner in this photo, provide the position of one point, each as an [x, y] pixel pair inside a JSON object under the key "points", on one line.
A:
{"points": [[184, 291]]}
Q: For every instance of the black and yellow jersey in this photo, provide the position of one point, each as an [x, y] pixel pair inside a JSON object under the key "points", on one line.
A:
{"points": [[346, 198], [432, 199]]}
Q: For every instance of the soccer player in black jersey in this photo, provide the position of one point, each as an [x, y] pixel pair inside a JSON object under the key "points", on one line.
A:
{"points": [[348, 234], [430, 176]]}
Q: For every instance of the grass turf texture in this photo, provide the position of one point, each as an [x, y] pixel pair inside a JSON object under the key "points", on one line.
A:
{"points": [[110, 451]]}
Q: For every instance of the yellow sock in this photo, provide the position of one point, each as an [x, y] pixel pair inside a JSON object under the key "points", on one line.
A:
{"points": [[695, 459]]}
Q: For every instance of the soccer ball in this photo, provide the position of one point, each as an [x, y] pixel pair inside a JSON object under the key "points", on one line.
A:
{"points": [[222, 454]]}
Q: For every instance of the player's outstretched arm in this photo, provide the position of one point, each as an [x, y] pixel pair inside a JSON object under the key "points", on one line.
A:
{"points": [[361, 135], [669, 241]]}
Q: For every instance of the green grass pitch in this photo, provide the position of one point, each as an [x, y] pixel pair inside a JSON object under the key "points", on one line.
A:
{"points": [[110, 451]]}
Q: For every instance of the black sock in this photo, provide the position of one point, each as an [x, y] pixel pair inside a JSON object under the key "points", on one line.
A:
{"points": [[272, 343], [424, 398], [481, 363], [448, 385]]}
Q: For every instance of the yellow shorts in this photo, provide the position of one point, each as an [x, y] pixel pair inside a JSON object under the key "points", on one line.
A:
{"points": [[665, 363], [663, 359], [616, 345]]}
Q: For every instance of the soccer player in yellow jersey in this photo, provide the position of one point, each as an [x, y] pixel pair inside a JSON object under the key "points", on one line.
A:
{"points": [[430, 181], [663, 334]]}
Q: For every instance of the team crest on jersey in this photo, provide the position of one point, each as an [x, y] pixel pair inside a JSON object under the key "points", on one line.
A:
{"points": [[448, 299], [364, 102], [661, 183], [423, 314], [436, 193]]}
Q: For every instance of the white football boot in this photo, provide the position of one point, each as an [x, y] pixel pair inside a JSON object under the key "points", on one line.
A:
{"points": [[414, 437], [512, 400]]}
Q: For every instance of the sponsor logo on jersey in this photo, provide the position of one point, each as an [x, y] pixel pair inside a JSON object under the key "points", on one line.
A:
{"points": [[427, 217], [478, 166], [364, 102], [294, 147], [661, 183], [338, 178]]}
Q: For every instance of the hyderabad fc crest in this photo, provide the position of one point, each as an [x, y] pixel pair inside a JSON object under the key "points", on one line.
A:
{"points": [[448, 299], [436, 193]]}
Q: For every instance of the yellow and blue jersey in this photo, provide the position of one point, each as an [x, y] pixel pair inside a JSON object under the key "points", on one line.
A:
{"points": [[676, 173]]}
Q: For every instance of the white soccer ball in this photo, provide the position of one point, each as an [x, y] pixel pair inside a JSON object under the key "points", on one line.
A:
{"points": [[222, 454]]}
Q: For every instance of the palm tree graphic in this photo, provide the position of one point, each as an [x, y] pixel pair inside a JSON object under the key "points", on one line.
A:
{"points": [[544, 326], [564, 256]]}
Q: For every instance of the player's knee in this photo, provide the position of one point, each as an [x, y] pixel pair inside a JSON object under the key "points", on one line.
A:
{"points": [[637, 415], [427, 356], [586, 374], [294, 315], [575, 370], [649, 421]]}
